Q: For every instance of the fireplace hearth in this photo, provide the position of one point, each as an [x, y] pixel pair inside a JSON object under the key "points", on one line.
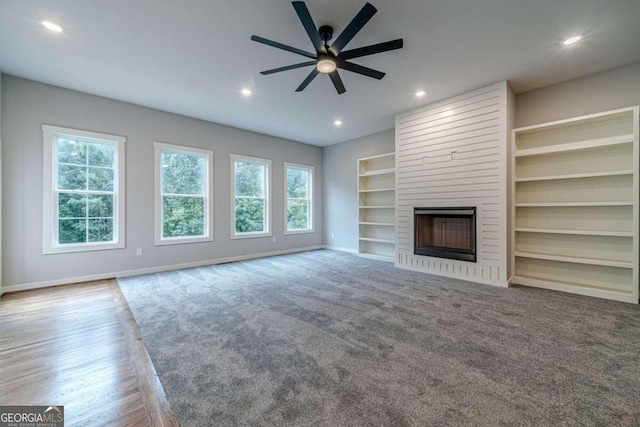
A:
{"points": [[445, 232]]}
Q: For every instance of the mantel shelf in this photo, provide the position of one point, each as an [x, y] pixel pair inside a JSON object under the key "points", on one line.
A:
{"points": [[574, 146], [576, 232], [386, 224], [575, 176], [576, 260]]}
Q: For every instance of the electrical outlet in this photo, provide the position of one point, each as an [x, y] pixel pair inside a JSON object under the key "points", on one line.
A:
{"points": [[333, 235], [274, 239], [138, 252]]}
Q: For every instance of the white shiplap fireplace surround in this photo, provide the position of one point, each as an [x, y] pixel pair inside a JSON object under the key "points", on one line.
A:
{"points": [[455, 154]]}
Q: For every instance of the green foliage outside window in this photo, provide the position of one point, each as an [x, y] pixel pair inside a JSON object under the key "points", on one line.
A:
{"points": [[249, 201], [298, 203], [84, 168], [183, 175]]}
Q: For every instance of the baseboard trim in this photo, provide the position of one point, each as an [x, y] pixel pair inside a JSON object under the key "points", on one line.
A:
{"points": [[150, 270], [338, 248]]}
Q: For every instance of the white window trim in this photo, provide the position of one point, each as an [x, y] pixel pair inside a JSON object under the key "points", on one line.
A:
{"points": [[267, 197], [50, 211], [311, 170], [208, 191]]}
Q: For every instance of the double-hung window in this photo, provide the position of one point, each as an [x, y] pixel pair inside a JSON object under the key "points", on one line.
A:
{"points": [[299, 195], [83, 190], [184, 194], [250, 188]]}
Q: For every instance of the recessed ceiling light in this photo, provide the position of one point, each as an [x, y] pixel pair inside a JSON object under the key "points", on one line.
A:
{"points": [[338, 123], [52, 26], [246, 92], [573, 39], [420, 93]]}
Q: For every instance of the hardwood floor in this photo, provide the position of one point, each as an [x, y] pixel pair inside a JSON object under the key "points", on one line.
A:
{"points": [[78, 346]]}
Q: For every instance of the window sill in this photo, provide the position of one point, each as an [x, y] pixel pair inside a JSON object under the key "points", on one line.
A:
{"points": [[305, 231], [249, 235], [52, 250], [182, 240]]}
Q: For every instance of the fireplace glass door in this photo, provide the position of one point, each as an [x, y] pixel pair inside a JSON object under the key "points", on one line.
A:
{"points": [[445, 233]]}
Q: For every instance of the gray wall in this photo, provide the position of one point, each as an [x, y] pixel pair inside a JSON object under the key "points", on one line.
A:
{"points": [[26, 105], [595, 93], [341, 186]]}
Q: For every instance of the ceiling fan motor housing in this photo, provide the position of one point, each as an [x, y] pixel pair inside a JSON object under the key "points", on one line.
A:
{"points": [[326, 33]]}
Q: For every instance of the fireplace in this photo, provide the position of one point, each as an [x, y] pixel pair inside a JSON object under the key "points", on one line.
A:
{"points": [[445, 233]]}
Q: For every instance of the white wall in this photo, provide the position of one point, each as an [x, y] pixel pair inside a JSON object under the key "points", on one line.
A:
{"points": [[595, 93], [454, 154], [341, 186], [27, 105]]}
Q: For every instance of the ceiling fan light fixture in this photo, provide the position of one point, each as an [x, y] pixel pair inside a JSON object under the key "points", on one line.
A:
{"points": [[326, 65]]}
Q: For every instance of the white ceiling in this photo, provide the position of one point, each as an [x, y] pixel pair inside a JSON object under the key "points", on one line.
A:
{"points": [[193, 57]]}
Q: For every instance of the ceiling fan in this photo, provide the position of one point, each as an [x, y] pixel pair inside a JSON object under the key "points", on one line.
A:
{"points": [[327, 58]]}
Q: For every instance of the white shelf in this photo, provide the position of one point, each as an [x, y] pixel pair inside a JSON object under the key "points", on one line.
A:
{"points": [[574, 176], [377, 190], [575, 260], [580, 177], [576, 232], [389, 171], [376, 239], [376, 207], [570, 204], [574, 146]]}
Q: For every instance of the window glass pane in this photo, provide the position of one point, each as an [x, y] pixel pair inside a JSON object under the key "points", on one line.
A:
{"points": [[297, 183], [101, 154], [100, 179], [297, 215], [100, 230], [100, 206], [249, 215], [249, 179], [72, 177], [72, 231], [182, 216], [71, 205], [182, 173], [72, 151]]}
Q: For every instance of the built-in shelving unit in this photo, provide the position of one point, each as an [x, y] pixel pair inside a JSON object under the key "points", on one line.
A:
{"points": [[575, 205], [376, 202]]}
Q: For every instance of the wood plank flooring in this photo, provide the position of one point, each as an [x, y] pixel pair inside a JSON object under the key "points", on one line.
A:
{"points": [[78, 346]]}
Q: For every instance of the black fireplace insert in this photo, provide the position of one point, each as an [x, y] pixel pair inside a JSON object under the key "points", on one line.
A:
{"points": [[445, 232]]}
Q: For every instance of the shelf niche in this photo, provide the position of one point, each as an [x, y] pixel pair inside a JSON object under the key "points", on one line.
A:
{"points": [[376, 202], [575, 205]]}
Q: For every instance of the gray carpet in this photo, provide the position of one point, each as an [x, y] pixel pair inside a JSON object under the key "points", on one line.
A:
{"points": [[327, 338]]}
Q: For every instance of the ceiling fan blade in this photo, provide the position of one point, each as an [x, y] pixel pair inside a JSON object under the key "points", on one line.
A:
{"points": [[312, 75], [371, 49], [365, 71], [288, 67], [283, 47], [356, 24], [337, 82], [308, 24]]}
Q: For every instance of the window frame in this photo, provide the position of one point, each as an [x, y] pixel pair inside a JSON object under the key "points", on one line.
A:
{"points": [[50, 233], [310, 199], [267, 197], [159, 240]]}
